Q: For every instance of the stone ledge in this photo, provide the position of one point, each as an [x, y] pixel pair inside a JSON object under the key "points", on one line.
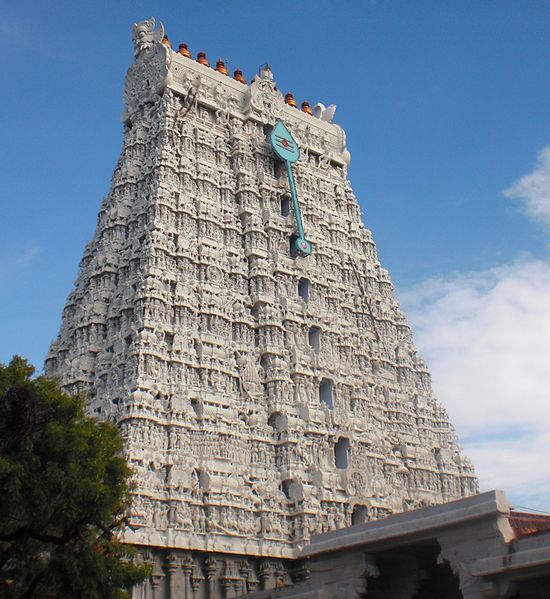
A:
{"points": [[535, 557], [420, 524]]}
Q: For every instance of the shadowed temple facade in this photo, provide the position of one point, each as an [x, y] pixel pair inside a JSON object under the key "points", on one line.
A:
{"points": [[268, 390]]}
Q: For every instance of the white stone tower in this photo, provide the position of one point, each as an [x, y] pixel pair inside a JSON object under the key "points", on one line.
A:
{"points": [[264, 396]]}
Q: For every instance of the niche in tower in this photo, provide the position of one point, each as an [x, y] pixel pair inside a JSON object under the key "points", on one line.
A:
{"points": [[198, 408], [325, 392], [360, 514], [303, 289], [278, 421], [285, 206], [341, 453], [293, 489], [314, 338]]}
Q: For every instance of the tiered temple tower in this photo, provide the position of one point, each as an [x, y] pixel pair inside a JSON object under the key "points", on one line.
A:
{"points": [[265, 396]]}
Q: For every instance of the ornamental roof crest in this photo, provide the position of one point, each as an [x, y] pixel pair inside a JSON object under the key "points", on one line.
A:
{"points": [[148, 77], [144, 35], [263, 98]]}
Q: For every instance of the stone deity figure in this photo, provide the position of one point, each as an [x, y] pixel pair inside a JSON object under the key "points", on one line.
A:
{"points": [[144, 35]]}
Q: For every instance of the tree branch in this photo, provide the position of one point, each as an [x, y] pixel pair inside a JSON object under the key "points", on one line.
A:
{"points": [[34, 584]]}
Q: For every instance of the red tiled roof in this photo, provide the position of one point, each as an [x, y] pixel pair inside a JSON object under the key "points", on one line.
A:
{"points": [[525, 524]]}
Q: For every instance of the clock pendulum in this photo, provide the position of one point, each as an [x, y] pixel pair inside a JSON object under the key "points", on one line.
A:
{"points": [[286, 148]]}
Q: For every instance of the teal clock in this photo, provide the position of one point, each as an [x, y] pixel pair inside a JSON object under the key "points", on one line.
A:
{"points": [[286, 148]]}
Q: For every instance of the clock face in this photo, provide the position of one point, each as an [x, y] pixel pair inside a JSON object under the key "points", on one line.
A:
{"points": [[283, 143]]}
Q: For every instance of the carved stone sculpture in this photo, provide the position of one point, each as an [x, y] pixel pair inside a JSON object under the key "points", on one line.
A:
{"points": [[144, 35], [263, 396]]}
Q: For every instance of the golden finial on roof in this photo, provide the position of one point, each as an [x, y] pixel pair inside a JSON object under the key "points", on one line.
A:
{"points": [[306, 108], [184, 51], [166, 41], [220, 67], [201, 58], [238, 76], [289, 99]]}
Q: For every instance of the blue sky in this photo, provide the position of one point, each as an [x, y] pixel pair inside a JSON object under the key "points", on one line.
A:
{"points": [[445, 105]]}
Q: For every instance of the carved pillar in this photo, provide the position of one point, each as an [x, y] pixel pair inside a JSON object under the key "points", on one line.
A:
{"points": [[172, 564], [279, 576], [147, 587], [244, 570], [187, 567], [227, 586], [211, 567], [230, 580], [196, 580], [156, 581], [266, 573], [252, 581], [140, 591], [300, 572]]}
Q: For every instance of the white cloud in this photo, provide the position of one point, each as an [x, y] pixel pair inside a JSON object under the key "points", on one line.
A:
{"points": [[534, 189], [519, 466], [486, 337]]}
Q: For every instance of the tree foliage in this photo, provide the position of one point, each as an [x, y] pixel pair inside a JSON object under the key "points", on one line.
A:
{"points": [[64, 491]]}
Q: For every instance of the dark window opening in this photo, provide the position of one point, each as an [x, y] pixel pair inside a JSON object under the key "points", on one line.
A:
{"points": [[360, 514], [197, 407], [341, 453], [314, 338], [285, 206], [169, 338], [279, 169], [278, 421], [325, 392], [292, 246], [303, 289], [285, 487], [292, 489], [202, 478]]}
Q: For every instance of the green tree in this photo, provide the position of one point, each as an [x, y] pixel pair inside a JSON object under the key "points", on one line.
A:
{"points": [[64, 492]]}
